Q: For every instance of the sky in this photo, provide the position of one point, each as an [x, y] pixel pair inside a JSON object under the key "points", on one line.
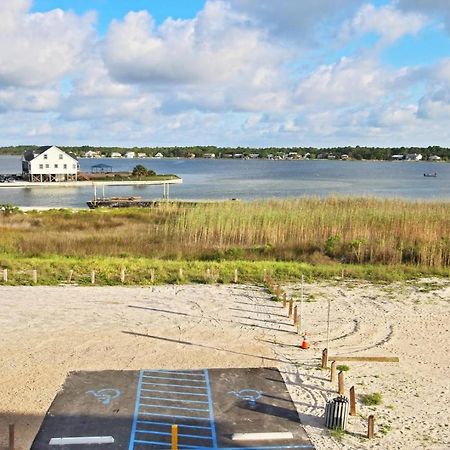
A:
{"points": [[255, 73]]}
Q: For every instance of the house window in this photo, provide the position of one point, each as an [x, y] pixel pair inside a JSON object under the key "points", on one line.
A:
{"points": [[74, 166], [65, 166], [41, 166], [60, 156], [45, 156], [47, 166], [56, 166]]}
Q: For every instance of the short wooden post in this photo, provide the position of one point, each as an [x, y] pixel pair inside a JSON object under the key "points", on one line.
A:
{"points": [[371, 426], [324, 358], [180, 273], [174, 437], [69, 278], [333, 372], [93, 277], [352, 401], [341, 388], [5, 275], [152, 275], [284, 299], [208, 274], [295, 315], [235, 275], [343, 273], [265, 276], [122, 275], [291, 307], [34, 275], [278, 291], [11, 437]]}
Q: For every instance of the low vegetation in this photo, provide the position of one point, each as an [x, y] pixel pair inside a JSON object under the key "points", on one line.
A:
{"points": [[365, 238], [373, 399]]}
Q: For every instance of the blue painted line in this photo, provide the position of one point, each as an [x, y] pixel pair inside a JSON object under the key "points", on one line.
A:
{"points": [[175, 392], [173, 400], [211, 410], [196, 436], [136, 413], [176, 416], [145, 405], [149, 422], [181, 447], [173, 385], [176, 379], [175, 372]]}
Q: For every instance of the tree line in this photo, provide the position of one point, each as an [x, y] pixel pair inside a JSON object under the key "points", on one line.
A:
{"points": [[356, 152]]}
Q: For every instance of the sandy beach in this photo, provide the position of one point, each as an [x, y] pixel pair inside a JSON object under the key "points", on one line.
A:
{"points": [[49, 331]]}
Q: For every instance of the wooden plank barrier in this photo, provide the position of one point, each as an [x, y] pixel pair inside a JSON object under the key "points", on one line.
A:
{"points": [[365, 358], [324, 358], [341, 387], [352, 401], [371, 427]]}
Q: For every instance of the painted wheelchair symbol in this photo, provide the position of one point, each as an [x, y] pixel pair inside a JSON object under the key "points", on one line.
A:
{"points": [[106, 396], [248, 395]]}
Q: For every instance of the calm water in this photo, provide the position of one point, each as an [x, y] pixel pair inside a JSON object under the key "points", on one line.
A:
{"points": [[252, 179]]}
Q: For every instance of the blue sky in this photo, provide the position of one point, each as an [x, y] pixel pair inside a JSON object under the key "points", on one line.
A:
{"points": [[225, 72]]}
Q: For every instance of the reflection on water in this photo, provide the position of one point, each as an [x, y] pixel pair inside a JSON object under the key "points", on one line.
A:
{"points": [[253, 179]]}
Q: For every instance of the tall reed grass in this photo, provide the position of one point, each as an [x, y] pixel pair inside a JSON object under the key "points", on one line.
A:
{"points": [[346, 230]]}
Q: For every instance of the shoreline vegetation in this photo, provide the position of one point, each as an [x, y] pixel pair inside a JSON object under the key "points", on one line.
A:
{"points": [[430, 153], [361, 238]]}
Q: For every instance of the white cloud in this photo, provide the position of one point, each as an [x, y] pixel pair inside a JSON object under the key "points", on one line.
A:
{"points": [[38, 48], [437, 8], [388, 22]]}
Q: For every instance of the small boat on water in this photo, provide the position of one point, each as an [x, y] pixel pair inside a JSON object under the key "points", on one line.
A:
{"points": [[431, 175]]}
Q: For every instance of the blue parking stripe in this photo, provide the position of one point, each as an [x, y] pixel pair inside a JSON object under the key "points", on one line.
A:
{"points": [[148, 422], [136, 412], [192, 374], [173, 400], [211, 410], [164, 433], [176, 392], [173, 385], [176, 416], [145, 405], [176, 379]]}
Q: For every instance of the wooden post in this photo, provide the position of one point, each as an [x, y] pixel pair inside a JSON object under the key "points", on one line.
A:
{"points": [[235, 275], [352, 401], [5, 275], [93, 277], [278, 291], [11, 437], [180, 273], [69, 278], [152, 275], [341, 388], [333, 372], [295, 315], [208, 274], [174, 437], [291, 306], [324, 358], [284, 299], [265, 276], [34, 275], [122, 275], [371, 427], [343, 273]]}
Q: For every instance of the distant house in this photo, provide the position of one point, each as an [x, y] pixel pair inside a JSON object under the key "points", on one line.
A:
{"points": [[254, 155], [414, 157], [434, 158], [331, 157], [209, 155], [159, 155], [228, 155], [130, 155], [293, 155], [344, 157], [92, 154], [142, 155], [116, 155], [238, 156], [49, 164], [397, 157]]}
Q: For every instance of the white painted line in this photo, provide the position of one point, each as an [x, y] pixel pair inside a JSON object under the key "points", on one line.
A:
{"points": [[82, 440], [261, 436]]}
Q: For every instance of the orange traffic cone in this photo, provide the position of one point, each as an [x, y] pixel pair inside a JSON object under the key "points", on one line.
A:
{"points": [[305, 344]]}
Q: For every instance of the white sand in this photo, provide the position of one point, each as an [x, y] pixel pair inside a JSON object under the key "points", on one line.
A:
{"points": [[49, 331]]}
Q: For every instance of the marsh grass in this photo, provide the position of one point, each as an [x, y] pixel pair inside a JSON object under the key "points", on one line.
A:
{"points": [[406, 238]]}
